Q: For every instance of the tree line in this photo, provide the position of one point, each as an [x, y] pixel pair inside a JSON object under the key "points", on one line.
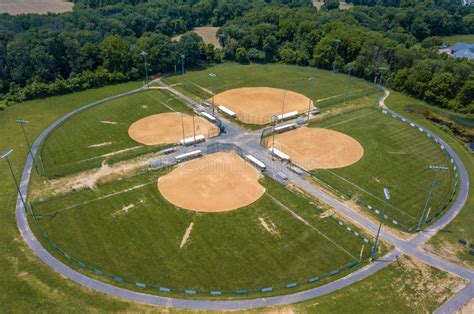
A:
{"points": [[101, 40]]}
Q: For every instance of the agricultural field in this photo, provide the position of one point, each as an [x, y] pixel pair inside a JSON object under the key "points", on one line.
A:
{"points": [[396, 156], [326, 89], [126, 228], [15, 7], [100, 133]]}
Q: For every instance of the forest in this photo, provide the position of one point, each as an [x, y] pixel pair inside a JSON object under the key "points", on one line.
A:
{"points": [[101, 40]]}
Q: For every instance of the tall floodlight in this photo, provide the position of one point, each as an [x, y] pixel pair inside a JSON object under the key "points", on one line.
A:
{"points": [[346, 89], [337, 41], [182, 125], [310, 101], [4, 156], [283, 104], [274, 121], [438, 170], [22, 124], [386, 192], [145, 56], [194, 131], [183, 56], [213, 77], [382, 71]]}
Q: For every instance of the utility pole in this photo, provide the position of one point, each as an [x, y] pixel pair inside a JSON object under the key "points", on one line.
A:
{"points": [[182, 62], [283, 105], [382, 71], [22, 124], [337, 41], [182, 125], [346, 89], [382, 217], [145, 55], [213, 77], [5, 157], [433, 185]]}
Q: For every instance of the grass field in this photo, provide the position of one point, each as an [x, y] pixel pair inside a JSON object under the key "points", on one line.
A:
{"points": [[396, 156], [226, 251], [100, 133], [15, 7], [445, 243], [207, 33], [451, 40], [326, 89]]}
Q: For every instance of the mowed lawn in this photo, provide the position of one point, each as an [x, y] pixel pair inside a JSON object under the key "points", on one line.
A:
{"points": [[327, 89], [225, 251], [101, 133], [396, 156]]}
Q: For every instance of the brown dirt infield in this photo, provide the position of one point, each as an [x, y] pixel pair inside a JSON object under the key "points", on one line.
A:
{"points": [[214, 183], [256, 105], [166, 128], [315, 148]]}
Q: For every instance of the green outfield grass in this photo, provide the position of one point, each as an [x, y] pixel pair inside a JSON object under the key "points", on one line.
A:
{"points": [[327, 89], [396, 156], [68, 148], [225, 251]]}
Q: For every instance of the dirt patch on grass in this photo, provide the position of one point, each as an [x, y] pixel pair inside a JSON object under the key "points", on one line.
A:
{"points": [[207, 33], [315, 148], [15, 7], [468, 308], [100, 145], [449, 251], [167, 128], [215, 183], [425, 279], [257, 105], [186, 235], [269, 226]]}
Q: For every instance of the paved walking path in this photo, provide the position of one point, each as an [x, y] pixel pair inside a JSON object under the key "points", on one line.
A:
{"points": [[250, 142]]}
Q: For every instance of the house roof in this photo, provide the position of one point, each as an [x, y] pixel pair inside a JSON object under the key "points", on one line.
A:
{"points": [[461, 46], [465, 53]]}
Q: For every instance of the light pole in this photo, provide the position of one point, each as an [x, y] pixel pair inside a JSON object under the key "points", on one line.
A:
{"points": [[346, 89], [435, 180], [283, 105], [387, 198], [22, 124], [5, 157], [182, 125], [213, 76], [274, 119], [337, 41], [310, 101], [382, 71], [145, 55], [182, 62]]}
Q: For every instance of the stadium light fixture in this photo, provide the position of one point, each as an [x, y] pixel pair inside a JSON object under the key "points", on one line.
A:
{"points": [[145, 56], [22, 123], [382, 71], [386, 192], [213, 76], [4, 156], [439, 170], [283, 105], [312, 78]]}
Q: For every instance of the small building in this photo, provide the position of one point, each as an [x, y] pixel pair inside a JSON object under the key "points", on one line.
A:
{"points": [[463, 50]]}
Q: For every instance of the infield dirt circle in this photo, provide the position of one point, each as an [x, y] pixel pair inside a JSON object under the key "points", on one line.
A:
{"points": [[167, 128], [218, 182], [257, 105], [314, 148]]}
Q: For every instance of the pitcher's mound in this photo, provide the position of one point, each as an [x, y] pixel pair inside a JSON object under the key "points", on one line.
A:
{"points": [[167, 128], [312, 148], [257, 105], [214, 183]]}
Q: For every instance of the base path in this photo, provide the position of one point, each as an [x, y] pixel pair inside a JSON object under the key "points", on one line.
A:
{"points": [[214, 183], [167, 128], [312, 148], [257, 105]]}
